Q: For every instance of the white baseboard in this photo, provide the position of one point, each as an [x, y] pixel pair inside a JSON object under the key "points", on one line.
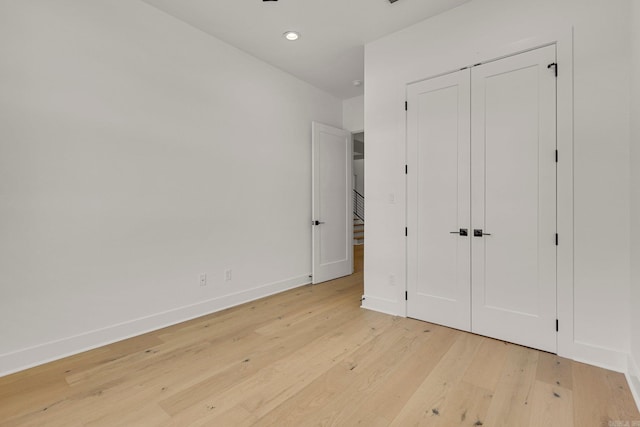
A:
{"points": [[380, 305], [633, 378], [599, 356], [54, 350]]}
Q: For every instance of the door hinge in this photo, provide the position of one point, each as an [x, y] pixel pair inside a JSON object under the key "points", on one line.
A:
{"points": [[406, 106], [556, 239], [557, 326], [555, 67], [406, 295], [556, 156], [406, 169], [406, 231]]}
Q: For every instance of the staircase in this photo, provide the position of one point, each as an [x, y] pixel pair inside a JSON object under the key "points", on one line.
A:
{"points": [[358, 231], [358, 218]]}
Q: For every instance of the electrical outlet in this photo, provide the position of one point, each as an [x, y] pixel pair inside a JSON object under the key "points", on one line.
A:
{"points": [[392, 280], [203, 279], [227, 275]]}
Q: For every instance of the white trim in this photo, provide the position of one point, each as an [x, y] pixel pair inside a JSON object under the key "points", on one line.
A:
{"points": [[602, 357], [380, 305], [633, 378], [54, 350]]}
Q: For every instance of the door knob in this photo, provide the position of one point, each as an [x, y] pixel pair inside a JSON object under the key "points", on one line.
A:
{"points": [[480, 233], [316, 222], [462, 232]]}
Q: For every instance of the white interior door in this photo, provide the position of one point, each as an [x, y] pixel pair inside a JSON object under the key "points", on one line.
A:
{"points": [[438, 153], [332, 221], [514, 199]]}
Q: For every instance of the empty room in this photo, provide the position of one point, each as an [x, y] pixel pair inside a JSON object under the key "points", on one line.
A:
{"points": [[303, 213]]}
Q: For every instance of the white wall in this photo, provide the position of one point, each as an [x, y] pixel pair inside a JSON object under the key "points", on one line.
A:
{"points": [[486, 29], [353, 114], [634, 365], [136, 153]]}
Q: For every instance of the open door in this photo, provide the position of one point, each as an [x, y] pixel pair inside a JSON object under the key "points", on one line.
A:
{"points": [[332, 221]]}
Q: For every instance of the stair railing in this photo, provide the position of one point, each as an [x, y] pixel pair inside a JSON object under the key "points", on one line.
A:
{"points": [[358, 205]]}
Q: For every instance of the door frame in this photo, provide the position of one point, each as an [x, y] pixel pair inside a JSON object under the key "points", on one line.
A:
{"points": [[563, 40]]}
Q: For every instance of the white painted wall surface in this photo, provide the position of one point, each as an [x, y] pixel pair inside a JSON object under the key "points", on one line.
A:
{"points": [[136, 153], [353, 114], [634, 361], [486, 29]]}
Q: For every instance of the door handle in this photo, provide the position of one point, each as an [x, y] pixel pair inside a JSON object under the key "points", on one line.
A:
{"points": [[316, 222], [480, 233], [462, 232]]}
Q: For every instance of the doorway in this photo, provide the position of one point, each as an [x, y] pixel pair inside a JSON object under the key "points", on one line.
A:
{"points": [[358, 188], [338, 206], [358, 200]]}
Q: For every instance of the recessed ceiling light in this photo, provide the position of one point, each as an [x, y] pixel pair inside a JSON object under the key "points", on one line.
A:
{"points": [[291, 35]]}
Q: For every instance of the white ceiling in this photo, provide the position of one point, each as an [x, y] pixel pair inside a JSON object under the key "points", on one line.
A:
{"points": [[330, 52]]}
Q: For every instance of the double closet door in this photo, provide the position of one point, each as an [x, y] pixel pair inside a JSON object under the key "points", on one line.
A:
{"points": [[481, 188]]}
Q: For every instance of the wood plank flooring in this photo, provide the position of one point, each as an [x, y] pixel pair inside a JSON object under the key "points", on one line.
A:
{"points": [[312, 357]]}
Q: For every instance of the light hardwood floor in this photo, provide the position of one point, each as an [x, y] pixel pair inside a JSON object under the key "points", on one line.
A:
{"points": [[311, 356]]}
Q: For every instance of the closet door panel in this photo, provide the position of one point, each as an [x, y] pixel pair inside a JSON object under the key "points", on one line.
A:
{"points": [[514, 199], [438, 180]]}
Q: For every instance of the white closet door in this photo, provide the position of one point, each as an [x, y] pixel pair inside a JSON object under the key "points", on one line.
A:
{"points": [[439, 202], [514, 199]]}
